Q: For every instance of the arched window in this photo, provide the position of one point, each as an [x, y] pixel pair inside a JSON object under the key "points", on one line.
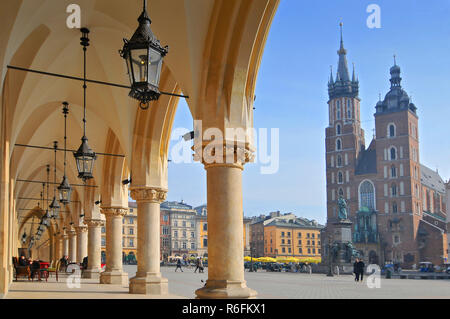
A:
{"points": [[394, 190], [341, 192], [340, 178], [338, 144], [349, 109], [393, 171], [338, 129], [338, 110], [391, 130], [393, 153], [366, 195], [339, 161]]}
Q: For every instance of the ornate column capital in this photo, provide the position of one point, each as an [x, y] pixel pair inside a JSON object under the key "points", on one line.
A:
{"points": [[95, 222], [148, 194], [114, 211], [226, 153], [81, 229], [71, 232]]}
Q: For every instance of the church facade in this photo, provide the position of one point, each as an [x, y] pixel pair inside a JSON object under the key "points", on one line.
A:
{"points": [[396, 204]]}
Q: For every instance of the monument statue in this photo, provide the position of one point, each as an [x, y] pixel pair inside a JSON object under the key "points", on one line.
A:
{"points": [[342, 208]]}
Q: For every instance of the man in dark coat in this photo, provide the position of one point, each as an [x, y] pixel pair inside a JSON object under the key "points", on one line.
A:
{"points": [[178, 265], [355, 269], [360, 267]]}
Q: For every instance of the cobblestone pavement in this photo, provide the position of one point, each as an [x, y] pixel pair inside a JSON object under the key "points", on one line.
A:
{"points": [[272, 285], [268, 285]]}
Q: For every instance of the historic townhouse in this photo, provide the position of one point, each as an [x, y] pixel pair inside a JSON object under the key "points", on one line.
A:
{"points": [[396, 204]]}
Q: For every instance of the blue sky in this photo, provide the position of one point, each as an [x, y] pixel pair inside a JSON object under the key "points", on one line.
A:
{"points": [[292, 94]]}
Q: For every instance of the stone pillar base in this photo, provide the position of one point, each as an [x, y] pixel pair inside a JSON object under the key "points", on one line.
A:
{"points": [[150, 284], [91, 274], [114, 278], [225, 289]]}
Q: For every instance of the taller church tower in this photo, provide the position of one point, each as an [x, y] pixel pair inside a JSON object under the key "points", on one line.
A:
{"points": [[344, 138]]}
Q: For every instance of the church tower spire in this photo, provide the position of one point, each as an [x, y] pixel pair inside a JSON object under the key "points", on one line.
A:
{"points": [[342, 66], [343, 86]]}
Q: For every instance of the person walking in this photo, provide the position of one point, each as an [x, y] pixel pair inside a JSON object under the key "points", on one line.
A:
{"points": [[178, 265], [360, 268], [200, 265], [355, 269], [197, 264]]}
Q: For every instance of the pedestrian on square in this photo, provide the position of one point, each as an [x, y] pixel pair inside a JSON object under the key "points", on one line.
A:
{"points": [[360, 268], [200, 265], [355, 269], [178, 265], [197, 264]]}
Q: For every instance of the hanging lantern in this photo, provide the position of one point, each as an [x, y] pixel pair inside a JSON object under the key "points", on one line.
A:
{"points": [[64, 189], [85, 159], [84, 156], [144, 56], [54, 207]]}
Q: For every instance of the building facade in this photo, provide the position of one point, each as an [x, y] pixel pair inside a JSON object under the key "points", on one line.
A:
{"points": [[278, 235], [183, 228], [292, 238], [395, 203], [202, 230]]}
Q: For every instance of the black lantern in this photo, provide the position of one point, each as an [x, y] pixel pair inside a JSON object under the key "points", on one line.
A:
{"points": [[144, 55], [65, 191], [54, 206], [84, 156], [64, 188], [24, 237], [85, 159]]}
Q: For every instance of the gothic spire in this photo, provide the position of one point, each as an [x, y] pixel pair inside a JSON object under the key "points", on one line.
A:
{"points": [[331, 81], [343, 67]]}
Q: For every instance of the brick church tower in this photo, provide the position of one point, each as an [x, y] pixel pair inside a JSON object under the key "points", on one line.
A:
{"points": [[397, 205], [344, 136]]}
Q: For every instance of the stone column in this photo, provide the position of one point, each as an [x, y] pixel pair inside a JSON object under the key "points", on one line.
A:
{"points": [[225, 228], [72, 246], [65, 248], [94, 249], [113, 273], [57, 255], [148, 279], [81, 243]]}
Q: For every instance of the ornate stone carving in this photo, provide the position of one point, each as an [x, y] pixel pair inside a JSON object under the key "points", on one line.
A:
{"points": [[81, 229], [114, 211], [95, 222], [144, 194], [231, 154]]}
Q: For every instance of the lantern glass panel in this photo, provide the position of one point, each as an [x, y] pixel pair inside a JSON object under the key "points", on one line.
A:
{"points": [[85, 164], [64, 195], [55, 212], [139, 59], [130, 72], [154, 67]]}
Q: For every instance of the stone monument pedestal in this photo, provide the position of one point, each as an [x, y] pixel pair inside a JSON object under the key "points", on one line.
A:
{"points": [[342, 236]]}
